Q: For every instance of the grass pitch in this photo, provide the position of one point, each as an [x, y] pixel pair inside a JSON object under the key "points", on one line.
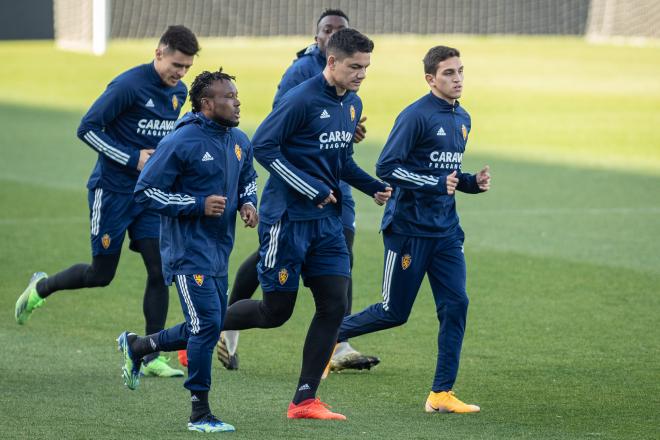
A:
{"points": [[563, 261]]}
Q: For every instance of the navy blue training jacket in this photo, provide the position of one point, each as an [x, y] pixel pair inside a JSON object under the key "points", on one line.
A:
{"points": [[134, 112], [425, 145], [310, 62], [306, 145], [200, 158]]}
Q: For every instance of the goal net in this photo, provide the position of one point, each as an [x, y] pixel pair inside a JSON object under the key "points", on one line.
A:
{"points": [[628, 19]]}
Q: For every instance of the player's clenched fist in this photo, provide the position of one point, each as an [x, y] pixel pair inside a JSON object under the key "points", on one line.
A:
{"points": [[144, 156], [249, 215], [214, 205], [360, 130], [483, 179], [382, 197], [330, 199], [452, 182]]}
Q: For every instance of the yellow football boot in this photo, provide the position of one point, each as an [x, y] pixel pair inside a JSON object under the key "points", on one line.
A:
{"points": [[447, 402]]}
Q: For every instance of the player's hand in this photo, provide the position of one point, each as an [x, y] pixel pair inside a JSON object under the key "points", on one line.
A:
{"points": [[382, 197], [249, 216], [214, 205], [330, 199], [452, 182], [483, 179], [360, 131], [144, 157]]}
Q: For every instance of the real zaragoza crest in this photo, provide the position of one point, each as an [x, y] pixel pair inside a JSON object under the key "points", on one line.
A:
{"points": [[199, 279], [238, 151], [175, 102], [283, 276], [405, 261], [105, 241], [464, 131], [352, 113]]}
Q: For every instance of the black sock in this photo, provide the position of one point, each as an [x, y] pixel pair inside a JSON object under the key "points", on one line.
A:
{"points": [[307, 387], [200, 405], [143, 346]]}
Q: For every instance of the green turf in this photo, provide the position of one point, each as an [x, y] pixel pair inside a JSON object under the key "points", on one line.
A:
{"points": [[563, 261]]}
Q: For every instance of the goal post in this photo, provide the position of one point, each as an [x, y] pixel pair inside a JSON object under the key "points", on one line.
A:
{"points": [[82, 25]]}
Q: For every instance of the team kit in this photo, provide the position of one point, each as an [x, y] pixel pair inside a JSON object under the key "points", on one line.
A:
{"points": [[177, 184]]}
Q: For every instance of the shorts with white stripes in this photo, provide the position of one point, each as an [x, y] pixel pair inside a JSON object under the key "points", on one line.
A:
{"points": [[407, 260], [111, 214], [204, 304], [291, 249]]}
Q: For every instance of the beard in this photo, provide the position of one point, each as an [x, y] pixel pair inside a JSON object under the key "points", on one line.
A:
{"points": [[226, 122]]}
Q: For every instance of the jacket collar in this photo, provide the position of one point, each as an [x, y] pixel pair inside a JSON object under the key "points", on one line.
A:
{"points": [[331, 91], [444, 104], [203, 121]]}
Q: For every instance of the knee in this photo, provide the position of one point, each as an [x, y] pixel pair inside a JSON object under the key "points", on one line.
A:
{"points": [[336, 309], [462, 303], [155, 272], [99, 279], [397, 320], [209, 328], [278, 312], [457, 306], [395, 317]]}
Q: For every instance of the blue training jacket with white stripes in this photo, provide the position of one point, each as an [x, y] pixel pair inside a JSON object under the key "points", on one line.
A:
{"points": [[425, 145], [134, 112], [200, 158], [310, 62], [306, 143]]}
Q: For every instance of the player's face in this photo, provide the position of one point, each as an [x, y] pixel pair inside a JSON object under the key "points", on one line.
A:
{"points": [[348, 73], [328, 26], [447, 83], [222, 104], [172, 65]]}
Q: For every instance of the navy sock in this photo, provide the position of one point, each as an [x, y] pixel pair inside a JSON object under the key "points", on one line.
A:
{"points": [[200, 405]]}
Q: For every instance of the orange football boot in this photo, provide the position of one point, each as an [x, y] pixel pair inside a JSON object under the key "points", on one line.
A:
{"points": [[312, 409]]}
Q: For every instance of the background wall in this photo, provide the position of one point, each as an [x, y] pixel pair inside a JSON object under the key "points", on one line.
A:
{"points": [[26, 20], [148, 18]]}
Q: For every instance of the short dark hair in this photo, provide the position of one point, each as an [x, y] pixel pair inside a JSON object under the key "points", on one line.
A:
{"points": [[345, 42], [436, 55], [332, 12], [179, 37], [200, 86]]}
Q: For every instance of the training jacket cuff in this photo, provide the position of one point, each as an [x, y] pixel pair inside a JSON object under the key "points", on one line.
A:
{"points": [[200, 202]]}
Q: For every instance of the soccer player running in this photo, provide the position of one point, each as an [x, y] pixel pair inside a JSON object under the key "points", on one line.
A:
{"points": [[421, 231], [306, 145], [310, 62], [197, 179], [123, 126]]}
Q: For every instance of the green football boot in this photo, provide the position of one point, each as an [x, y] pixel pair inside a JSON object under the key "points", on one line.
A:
{"points": [[159, 367], [29, 299], [210, 423], [130, 369]]}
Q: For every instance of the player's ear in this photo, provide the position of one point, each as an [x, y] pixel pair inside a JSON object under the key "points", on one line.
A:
{"points": [[159, 53], [430, 79], [331, 61]]}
